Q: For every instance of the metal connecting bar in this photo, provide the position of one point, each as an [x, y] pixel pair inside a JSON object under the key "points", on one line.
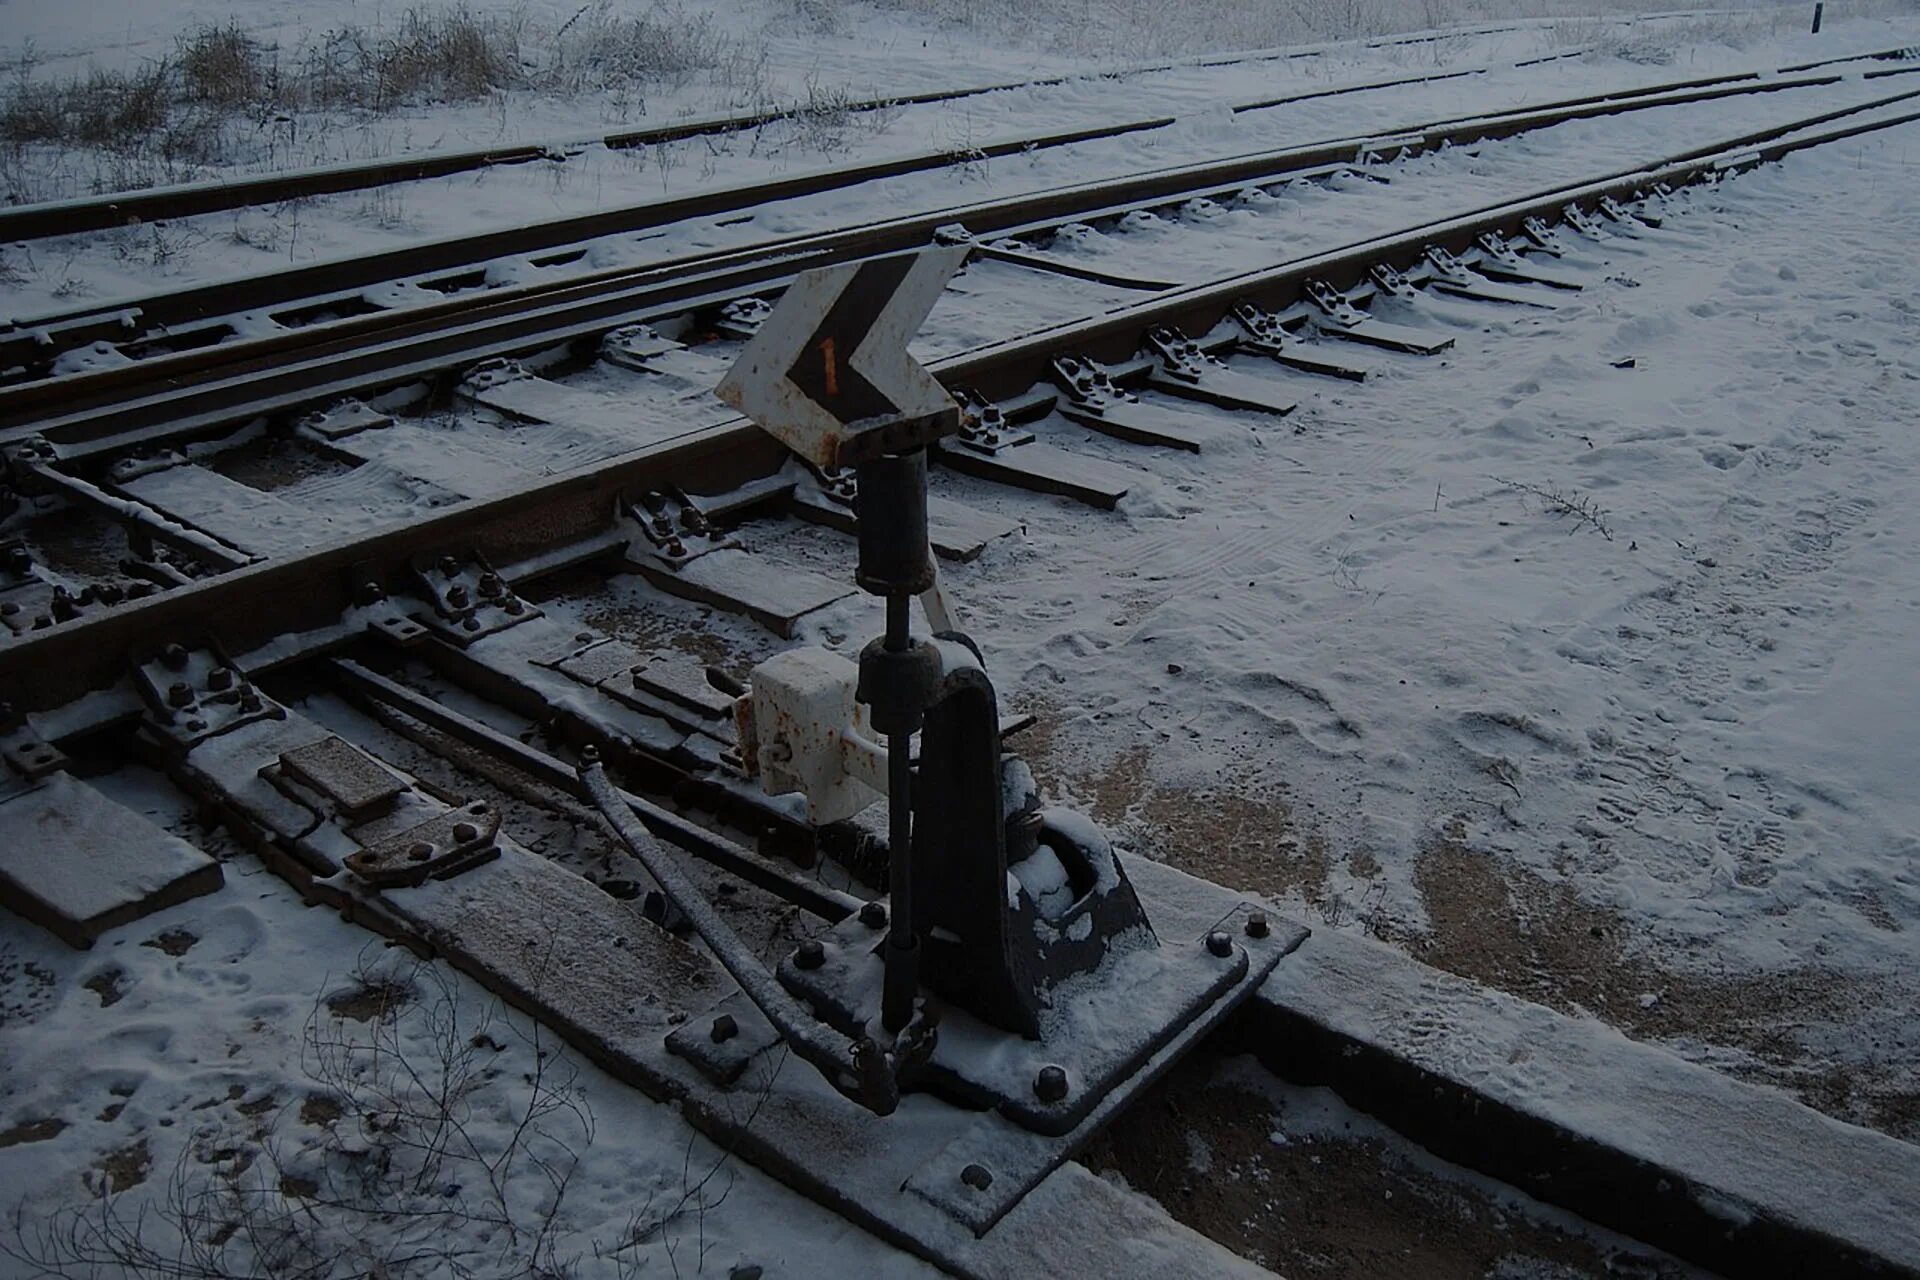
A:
{"points": [[819, 900], [161, 528], [857, 1068]]}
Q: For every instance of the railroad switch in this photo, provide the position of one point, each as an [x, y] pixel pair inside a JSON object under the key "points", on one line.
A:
{"points": [[1012, 976]]}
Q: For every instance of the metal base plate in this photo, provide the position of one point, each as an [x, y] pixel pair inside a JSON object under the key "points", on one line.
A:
{"points": [[970, 1167], [1103, 1027]]}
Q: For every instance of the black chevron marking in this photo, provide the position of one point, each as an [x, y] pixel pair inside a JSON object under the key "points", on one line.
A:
{"points": [[823, 371]]}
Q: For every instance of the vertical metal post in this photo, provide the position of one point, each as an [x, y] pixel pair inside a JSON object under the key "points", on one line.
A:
{"points": [[903, 944], [1818, 9], [896, 681]]}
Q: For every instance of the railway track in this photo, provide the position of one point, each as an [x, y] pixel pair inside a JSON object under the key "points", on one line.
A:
{"points": [[226, 320], [503, 558], [121, 208], [440, 288]]}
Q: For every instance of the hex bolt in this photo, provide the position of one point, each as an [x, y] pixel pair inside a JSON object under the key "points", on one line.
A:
{"points": [[977, 1176], [449, 567], [421, 850], [512, 605], [179, 694], [1050, 1085], [369, 593], [874, 915], [809, 954], [724, 1028], [470, 623], [1257, 926], [465, 832], [491, 585], [590, 754], [249, 698], [1220, 944], [174, 658], [220, 679], [457, 596]]}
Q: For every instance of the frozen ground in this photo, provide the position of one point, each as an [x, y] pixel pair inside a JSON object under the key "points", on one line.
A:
{"points": [[208, 1059], [1577, 661]]}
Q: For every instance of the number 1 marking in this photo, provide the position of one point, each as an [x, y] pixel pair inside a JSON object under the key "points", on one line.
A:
{"points": [[831, 366]]}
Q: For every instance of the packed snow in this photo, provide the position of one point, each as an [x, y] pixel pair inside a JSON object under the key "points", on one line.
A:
{"points": [[1612, 604]]}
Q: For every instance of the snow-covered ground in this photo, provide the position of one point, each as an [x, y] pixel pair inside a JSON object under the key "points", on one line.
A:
{"points": [[206, 1058], [1576, 660]]}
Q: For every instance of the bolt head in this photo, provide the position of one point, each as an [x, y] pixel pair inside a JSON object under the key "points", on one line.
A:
{"points": [[1257, 926], [1220, 944], [977, 1176], [874, 915], [220, 679], [179, 694], [174, 657], [590, 754], [724, 1028], [1050, 1085], [809, 954]]}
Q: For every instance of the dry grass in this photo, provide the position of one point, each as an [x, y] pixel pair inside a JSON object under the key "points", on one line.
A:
{"points": [[224, 97]]}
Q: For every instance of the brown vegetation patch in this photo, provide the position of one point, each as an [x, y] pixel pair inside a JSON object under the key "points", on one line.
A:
{"points": [[118, 1170], [32, 1131], [175, 942], [380, 999], [1245, 842], [1513, 930], [107, 986], [320, 1110]]}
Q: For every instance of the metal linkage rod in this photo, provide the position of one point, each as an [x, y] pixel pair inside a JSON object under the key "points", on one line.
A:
{"points": [[857, 1068], [830, 904]]}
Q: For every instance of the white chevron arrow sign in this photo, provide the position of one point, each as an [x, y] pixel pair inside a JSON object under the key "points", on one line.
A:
{"points": [[828, 373]]}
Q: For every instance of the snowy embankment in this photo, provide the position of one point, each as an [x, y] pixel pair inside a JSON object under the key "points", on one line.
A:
{"points": [[1574, 660]]}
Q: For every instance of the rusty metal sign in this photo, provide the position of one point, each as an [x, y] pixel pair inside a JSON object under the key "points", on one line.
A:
{"points": [[828, 373]]}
